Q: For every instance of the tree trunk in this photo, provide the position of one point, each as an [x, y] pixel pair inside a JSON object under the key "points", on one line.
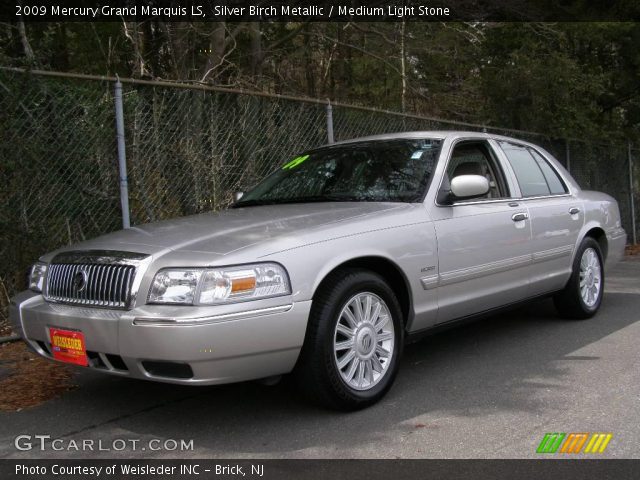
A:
{"points": [[26, 46], [257, 55], [308, 69], [403, 67], [215, 52]]}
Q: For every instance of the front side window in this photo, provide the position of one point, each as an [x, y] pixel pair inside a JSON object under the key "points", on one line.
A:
{"points": [[530, 177], [474, 157], [375, 171]]}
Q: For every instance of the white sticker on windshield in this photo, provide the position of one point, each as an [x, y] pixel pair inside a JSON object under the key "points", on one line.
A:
{"points": [[417, 154]]}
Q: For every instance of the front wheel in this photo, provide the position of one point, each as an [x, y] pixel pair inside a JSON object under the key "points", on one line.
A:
{"points": [[582, 296], [354, 340]]}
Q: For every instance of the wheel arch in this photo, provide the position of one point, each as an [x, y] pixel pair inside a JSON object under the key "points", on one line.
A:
{"points": [[388, 270], [596, 232], [570, 301]]}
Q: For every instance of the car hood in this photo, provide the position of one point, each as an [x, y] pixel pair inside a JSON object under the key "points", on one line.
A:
{"points": [[231, 230]]}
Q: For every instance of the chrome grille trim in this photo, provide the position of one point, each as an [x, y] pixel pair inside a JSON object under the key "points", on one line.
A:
{"points": [[107, 278], [101, 290]]}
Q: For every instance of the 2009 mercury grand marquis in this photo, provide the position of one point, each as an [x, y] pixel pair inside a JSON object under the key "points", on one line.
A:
{"points": [[327, 265]]}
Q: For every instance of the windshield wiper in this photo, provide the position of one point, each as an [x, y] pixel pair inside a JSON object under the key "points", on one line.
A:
{"points": [[252, 203]]}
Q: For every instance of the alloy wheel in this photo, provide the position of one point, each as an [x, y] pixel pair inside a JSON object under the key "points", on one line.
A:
{"points": [[363, 341]]}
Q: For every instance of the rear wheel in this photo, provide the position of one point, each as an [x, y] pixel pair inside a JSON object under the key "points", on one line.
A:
{"points": [[353, 342], [582, 296]]}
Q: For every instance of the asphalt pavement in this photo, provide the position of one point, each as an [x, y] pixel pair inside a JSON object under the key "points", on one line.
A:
{"points": [[490, 389]]}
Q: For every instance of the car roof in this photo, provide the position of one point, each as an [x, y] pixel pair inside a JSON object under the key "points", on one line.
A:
{"points": [[436, 134], [456, 134]]}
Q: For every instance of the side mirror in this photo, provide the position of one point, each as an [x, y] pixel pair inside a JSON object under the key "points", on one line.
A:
{"points": [[237, 196], [464, 187]]}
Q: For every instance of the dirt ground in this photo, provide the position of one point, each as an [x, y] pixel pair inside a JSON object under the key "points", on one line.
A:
{"points": [[5, 329], [633, 249], [27, 380]]}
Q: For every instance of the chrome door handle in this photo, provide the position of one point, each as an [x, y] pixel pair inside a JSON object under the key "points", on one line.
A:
{"points": [[518, 217], [574, 211]]}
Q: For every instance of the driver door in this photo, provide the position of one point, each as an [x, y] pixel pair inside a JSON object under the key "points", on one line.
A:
{"points": [[483, 243]]}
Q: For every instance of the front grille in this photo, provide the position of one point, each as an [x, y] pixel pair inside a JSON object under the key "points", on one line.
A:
{"points": [[93, 278], [90, 284]]}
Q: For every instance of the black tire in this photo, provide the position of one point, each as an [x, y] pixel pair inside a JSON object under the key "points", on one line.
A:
{"points": [[317, 373], [569, 302]]}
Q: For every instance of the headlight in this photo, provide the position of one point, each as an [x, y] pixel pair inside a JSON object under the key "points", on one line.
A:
{"points": [[211, 286], [175, 286], [37, 276]]}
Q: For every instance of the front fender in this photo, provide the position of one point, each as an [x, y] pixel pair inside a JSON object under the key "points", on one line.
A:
{"points": [[411, 248]]}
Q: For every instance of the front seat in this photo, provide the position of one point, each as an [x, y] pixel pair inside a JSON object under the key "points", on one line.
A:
{"points": [[468, 168]]}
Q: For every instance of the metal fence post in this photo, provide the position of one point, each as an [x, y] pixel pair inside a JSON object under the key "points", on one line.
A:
{"points": [[631, 195], [567, 155], [329, 123], [122, 156]]}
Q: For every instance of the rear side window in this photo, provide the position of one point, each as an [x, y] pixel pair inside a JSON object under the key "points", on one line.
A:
{"points": [[530, 177], [556, 185]]}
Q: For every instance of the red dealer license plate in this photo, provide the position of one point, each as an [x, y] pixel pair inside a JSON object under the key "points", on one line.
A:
{"points": [[68, 346]]}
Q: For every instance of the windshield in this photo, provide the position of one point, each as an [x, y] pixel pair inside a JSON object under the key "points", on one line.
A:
{"points": [[375, 171]]}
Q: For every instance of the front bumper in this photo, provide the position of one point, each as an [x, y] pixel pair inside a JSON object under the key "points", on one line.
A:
{"points": [[186, 345]]}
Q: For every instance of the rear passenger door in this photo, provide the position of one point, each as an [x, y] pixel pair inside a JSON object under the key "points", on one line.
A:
{"points": [[556, 217]]}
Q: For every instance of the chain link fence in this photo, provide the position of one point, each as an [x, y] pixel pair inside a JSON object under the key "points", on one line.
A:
{"points": [[188, 148], [57, 154]]}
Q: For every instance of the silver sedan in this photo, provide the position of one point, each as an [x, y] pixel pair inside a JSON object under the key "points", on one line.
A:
{"points": [[326, 267]]}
